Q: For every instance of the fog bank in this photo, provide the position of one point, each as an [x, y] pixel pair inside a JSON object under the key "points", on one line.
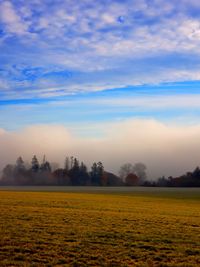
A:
{"points": [[165, 149]]}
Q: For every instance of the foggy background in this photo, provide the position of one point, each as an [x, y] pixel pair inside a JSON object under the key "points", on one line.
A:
{"points": [[165, 149]]}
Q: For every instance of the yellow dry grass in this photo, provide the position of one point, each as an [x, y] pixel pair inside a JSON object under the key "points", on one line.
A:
{"points": [[93, 229]]}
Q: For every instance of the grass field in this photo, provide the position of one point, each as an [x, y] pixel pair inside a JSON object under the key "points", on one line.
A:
{"points": [[105, 228]]}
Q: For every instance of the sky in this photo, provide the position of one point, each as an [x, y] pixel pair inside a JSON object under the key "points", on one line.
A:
{"points": [[116, 81]]}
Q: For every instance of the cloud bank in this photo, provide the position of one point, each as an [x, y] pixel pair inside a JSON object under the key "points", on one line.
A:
{"points": [[165, 149]]}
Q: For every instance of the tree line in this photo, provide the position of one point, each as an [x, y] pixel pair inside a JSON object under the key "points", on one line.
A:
{"points": [[189, 179], [76, 173]]}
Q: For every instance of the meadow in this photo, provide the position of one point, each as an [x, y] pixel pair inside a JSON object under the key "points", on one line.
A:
{"points": [[99, 227]]}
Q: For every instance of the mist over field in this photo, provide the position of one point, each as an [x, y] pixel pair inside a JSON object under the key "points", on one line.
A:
{"points": [[165, 149]]}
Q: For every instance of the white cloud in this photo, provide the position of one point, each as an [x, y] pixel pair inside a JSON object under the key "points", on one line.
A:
{"points": [[87, 37], [48, 87], [3, 84], [12, 20], [158, 102]]}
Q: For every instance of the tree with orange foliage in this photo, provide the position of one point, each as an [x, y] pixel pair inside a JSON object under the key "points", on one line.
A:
{"points": [[132, 179]]}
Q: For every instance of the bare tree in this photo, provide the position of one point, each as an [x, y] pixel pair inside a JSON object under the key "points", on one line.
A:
{"points": [[125, 170], [139, 169]]}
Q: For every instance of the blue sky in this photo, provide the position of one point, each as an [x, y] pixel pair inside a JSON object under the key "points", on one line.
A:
{"points": [[80, 52], [91, 65]]}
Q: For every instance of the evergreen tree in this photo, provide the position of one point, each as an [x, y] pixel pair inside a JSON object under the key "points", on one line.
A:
{"points": [[71, 162], [97, 171], [84, 176], [75, 165], [100, 169], [20, 164], [45, 166], [74, 172], [8, 174], [35, 164], [94, 174], [67, 164]]}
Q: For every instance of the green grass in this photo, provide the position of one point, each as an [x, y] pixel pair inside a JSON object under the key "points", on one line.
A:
{"points": [[100, 229]]}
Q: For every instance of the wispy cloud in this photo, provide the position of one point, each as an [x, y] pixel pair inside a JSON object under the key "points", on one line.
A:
{"points": [[13, 22], [111, 44], [157, 102]]}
